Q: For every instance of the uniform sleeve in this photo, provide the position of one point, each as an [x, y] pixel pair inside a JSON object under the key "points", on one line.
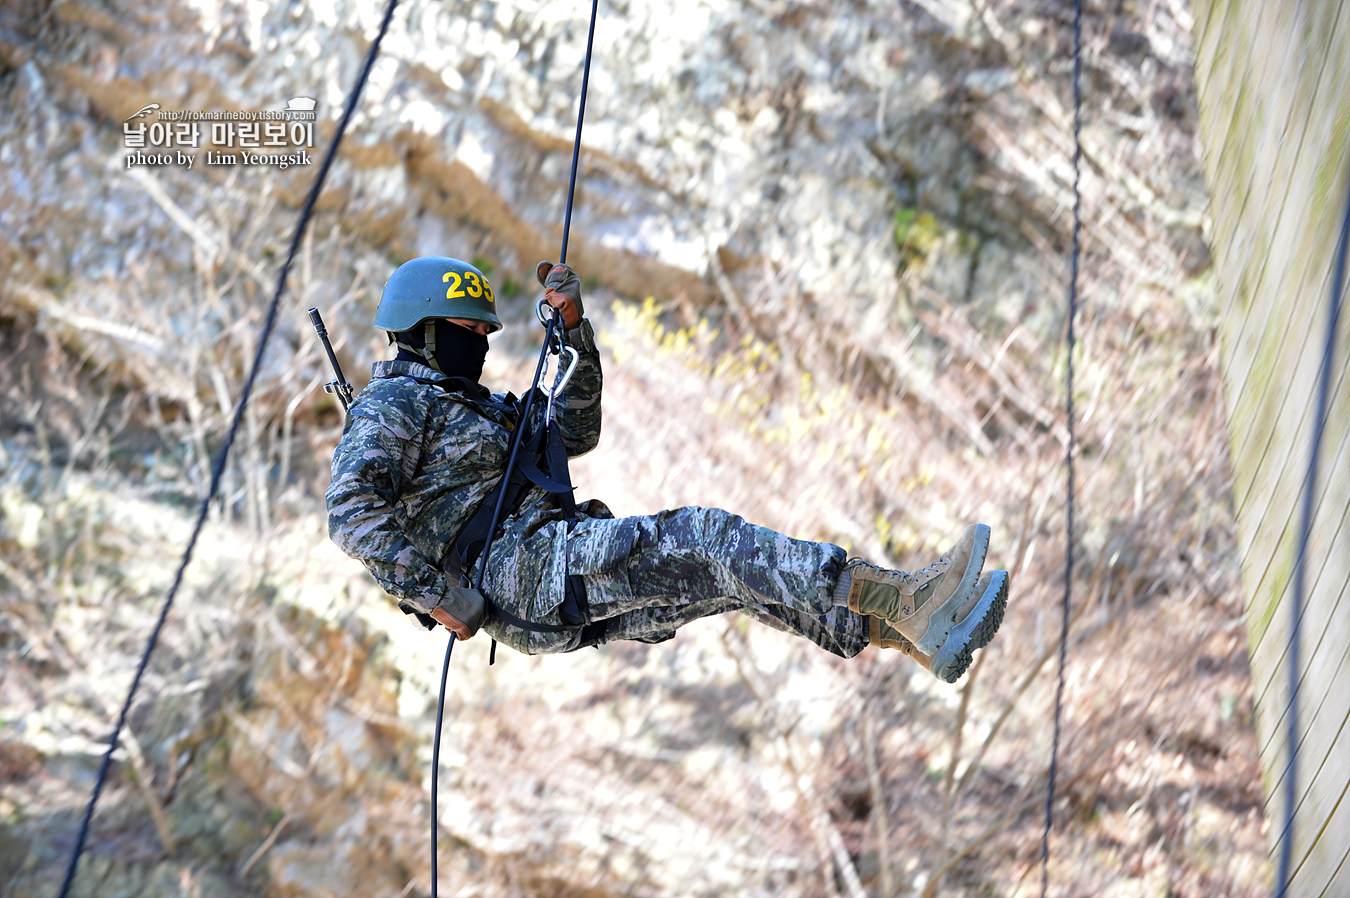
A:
{"points": [[368, 477], [579, 419]]}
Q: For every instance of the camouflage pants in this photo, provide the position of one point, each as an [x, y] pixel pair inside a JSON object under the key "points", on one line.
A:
{"points": [[646, 576]]}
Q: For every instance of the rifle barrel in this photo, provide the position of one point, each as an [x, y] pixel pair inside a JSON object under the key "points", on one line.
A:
{"points": [[339, 388]]}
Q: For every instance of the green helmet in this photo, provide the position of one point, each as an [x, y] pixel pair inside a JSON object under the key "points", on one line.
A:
{"points": [[436, 287]]}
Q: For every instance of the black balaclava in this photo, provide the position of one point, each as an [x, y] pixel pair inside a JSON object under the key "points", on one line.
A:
{"points": [[450, 348]]}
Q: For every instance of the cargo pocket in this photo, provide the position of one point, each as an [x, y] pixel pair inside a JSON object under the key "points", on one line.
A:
{"points": [[598, 551], [601, 545]]}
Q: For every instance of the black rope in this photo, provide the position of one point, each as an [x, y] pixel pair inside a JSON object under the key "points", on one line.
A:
{"points": [[478, 584], [1068, 404], [576, 143], [219, 469], [436, 753], [516, 441], [554, 327], [1300, 560]]}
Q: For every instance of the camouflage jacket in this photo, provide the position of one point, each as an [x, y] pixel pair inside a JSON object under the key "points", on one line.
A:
{"points": [[416, 460]]}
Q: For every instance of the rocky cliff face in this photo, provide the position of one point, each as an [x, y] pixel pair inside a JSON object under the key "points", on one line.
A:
{"points": [[740, 158], [824, 247]]}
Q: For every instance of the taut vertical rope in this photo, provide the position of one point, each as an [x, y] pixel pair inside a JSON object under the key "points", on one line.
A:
{"points": [[219, 469], [1068, 404], [1301, 559], [554, 327], [576, 142]]}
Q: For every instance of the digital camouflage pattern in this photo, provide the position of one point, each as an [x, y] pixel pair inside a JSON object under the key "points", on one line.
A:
{"points": [[677, 566], [416, 460]]}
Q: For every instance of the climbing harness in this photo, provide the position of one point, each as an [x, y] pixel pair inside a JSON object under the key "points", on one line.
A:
{"points": [[1068, 405], [1301, 558], [217, 472], [557, 459]]}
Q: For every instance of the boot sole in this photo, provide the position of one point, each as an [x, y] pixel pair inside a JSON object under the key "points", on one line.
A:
{"points": [[941, 623], [953, 659]]}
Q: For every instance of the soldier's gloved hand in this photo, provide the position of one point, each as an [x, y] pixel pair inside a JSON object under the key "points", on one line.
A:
{"points": [[423, 619], [562, 290], [461, 611]]}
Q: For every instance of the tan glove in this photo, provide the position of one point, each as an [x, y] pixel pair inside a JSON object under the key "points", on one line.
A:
{"points": [[460, 611], [562, 290]]}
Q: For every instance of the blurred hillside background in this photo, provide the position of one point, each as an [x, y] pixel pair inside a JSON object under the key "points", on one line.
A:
{"points": [[825, 249]]}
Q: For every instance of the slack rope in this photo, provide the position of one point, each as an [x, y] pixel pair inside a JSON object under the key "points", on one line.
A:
{"points": [[1300, 560], [1068, 404], [554, 326], [217, 472]]}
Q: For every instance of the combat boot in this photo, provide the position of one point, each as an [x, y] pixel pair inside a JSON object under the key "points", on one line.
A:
{"points": [[923, 604], [978, 620], [882, 635]]}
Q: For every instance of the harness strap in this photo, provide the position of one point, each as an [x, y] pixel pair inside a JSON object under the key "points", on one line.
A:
{"points": [[529, 467], [553, 455], [428, 351], [574, 612], [497, 611], [464, 548], [473, 392], [544, 465], [556, 458]]}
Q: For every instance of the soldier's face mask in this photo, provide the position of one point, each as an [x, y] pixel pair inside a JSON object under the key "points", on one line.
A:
{"points": [[447, 347]]}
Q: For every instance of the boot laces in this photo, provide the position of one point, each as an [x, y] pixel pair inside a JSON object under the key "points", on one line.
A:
{"points": [[883, 574], [903, 578], [937, 568]]}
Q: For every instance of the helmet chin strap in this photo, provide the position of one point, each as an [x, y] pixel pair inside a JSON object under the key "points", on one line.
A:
{"points": [[428, 350]]}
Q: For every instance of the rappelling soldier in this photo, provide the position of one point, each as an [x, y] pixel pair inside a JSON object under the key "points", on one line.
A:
{"points": [[425, 448]]}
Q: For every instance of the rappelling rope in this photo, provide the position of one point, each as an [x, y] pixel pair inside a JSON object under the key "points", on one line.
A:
{"points": [[1300, 560], [478, 585], [1068, 404], [553, 328], [576, 143], [219, 469]]}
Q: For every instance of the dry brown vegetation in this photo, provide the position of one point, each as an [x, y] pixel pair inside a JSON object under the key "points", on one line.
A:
{"points": [[283, 735]]}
